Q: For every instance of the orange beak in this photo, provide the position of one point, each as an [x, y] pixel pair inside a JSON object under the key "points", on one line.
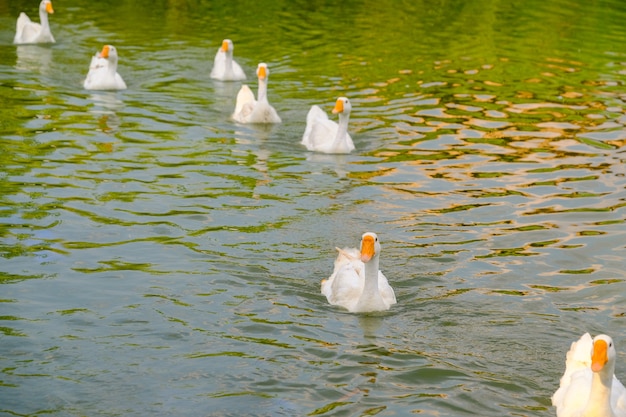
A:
{"points": [[367, 248], [49, 8], [224, 46], [599, 357], [105, 52], [261, 73], [338, 107]]}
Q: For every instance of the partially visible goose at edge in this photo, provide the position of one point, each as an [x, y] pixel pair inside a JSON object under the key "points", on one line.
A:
{"points": [[589, 387]]}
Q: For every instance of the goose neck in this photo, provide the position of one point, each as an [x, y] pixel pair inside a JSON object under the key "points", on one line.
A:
{"points": [[371, 276], [43, 18], [262, 94], [112, 65], [600, 395], [342, 131], [228, 63]]}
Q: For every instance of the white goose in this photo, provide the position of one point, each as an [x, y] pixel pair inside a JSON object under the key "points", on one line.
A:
{"points": [[249, 110], [589, 387], [326, 136], [27, 31], [102, 73], [356, 282], [224, 67]]}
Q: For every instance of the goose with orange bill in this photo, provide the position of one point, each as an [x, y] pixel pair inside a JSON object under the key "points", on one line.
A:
{"points": [[326, 136], [27, 31], [259, 110], [225, 68], [103, 73], [589, 388], [356, 283]]}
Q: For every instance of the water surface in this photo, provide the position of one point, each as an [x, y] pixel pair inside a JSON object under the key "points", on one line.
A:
{"points": [[157, 258]]}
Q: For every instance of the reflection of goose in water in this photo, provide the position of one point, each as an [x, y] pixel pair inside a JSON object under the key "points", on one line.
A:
{"points": [[336, 162], [33, 58], [370, 324], [105, 108], [252, 140], [27, 31], [107, 100]]}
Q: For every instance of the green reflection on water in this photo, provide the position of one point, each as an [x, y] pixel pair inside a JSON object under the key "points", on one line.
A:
{"points": [[8, 331], [329, 407], [72, 311], [503, 252], [577, 271], [548, 288], [8, 278], [606, 281]]}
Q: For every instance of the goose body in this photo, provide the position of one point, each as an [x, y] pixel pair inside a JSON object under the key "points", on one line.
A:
{"points": [[224, 66], [326, 136], [259, 110], [103, 73], [589, 388], [27, 31], [356, 283]]}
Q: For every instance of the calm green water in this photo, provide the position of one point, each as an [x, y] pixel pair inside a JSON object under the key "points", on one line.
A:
{"points": [[158, 259]]}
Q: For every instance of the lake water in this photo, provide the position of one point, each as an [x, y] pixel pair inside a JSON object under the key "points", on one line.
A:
{"points": [[157, 258]]}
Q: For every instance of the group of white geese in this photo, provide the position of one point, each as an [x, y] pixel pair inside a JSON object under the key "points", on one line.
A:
{"points": [[588, 387]]}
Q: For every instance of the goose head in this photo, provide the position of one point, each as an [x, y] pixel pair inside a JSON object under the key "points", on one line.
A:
{"points": [[342, 106], [227, 46], [262, 71], [370, 247], [603, 354], [46, 6], [109, 52]]}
